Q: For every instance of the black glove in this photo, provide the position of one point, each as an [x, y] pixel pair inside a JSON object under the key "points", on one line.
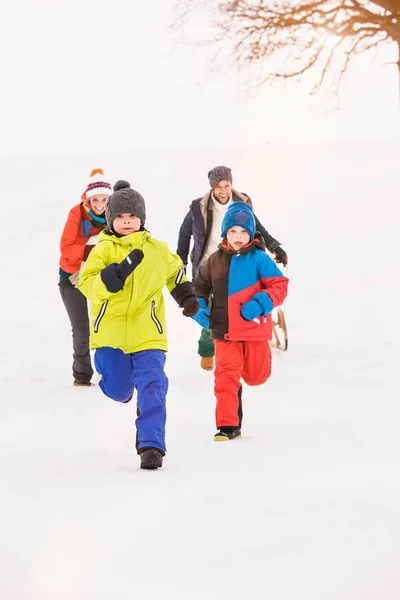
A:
{"points": [[281, 256], [114, 275], [127, 266], [190, 306]]}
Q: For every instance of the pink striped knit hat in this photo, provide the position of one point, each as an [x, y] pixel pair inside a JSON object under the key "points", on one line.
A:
{"points": [[96, 185]]}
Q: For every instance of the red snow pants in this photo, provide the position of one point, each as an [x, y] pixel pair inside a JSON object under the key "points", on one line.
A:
{"points": [[250, 361]]}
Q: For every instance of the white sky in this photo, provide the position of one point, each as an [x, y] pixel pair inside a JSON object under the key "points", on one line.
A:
{"points": [[100, 75]]}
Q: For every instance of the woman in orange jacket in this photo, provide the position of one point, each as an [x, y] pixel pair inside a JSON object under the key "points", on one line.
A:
{"points": [[84, 223]]}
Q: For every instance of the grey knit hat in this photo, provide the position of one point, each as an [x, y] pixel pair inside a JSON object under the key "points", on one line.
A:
{"points": [[218, 174], [124, 200]]}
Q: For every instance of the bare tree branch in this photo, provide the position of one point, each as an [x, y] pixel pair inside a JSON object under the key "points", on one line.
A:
{"points": [[290, 38]]}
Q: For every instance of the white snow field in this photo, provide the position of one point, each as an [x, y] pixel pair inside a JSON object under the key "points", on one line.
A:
{"points": [[306, 505]]}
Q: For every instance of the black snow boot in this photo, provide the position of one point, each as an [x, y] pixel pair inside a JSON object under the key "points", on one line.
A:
{"points": [[151, 458], [227, 433]]}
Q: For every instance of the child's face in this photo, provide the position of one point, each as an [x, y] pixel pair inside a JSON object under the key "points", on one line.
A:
{"points": [[97, 203], [125, 224], [237, 237]]}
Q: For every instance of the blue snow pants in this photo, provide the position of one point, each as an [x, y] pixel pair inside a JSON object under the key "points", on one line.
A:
{"points": [[122, 373]]}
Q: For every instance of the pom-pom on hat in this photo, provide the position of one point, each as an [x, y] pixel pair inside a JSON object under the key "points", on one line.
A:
{"points": [[218, 174], [239, 214], [124, 200], [97, 185]]}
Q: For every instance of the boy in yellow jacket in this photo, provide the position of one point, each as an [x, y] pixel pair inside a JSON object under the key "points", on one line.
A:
{"points": [[123, 278]]}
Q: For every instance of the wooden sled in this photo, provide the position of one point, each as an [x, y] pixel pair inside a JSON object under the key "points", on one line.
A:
{"points": [[279, 331]]}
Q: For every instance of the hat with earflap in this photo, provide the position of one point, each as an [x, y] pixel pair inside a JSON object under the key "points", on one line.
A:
{"points": [[124, 200], [239, 214], [97, 185]]}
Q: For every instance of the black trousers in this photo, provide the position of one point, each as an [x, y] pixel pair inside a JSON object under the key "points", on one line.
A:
{"points": [[77, 309]]}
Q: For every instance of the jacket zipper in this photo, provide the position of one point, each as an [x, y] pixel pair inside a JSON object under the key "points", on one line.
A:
{"points": [[154, 317], [100, 316], [207, 227]]}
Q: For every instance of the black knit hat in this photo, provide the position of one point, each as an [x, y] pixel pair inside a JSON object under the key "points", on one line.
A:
{"points": [[125, 200], [218, 174]]}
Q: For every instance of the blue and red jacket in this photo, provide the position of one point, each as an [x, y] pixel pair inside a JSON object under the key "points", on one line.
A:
{"points": [[233, 278]]}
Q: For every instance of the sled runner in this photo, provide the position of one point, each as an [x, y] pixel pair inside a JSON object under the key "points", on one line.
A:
{"points": [[279, 330]]}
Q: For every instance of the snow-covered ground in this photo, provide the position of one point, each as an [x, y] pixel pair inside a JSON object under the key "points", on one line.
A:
{"points": [[306, 505]]}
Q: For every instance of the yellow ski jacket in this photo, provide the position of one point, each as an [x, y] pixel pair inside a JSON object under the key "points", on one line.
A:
{"points": [[132, 319]]}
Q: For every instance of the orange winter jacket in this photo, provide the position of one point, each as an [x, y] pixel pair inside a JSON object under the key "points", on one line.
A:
{"points": [[77, 230]]}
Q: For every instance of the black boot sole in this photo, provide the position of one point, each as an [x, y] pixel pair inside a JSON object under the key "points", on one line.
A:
{"points": [[152, 463]]}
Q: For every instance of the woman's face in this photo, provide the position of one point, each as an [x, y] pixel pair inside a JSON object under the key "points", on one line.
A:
{"points": [[97, 203]]}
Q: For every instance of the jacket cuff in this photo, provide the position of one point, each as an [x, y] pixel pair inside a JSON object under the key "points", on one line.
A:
{"points": [[182, 291], [273, 245]]}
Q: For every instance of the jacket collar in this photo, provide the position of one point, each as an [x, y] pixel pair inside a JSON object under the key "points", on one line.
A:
{"points": [[205, 202], [257, 242], [135, 240]]}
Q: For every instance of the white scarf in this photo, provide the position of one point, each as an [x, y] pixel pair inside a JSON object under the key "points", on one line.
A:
{"points": [[214, 240]]}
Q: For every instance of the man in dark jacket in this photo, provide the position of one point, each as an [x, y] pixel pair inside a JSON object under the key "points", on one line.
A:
{"points": [[203, 222]]}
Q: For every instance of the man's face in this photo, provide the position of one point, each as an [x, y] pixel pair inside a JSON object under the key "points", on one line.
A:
{"points": [[222, 191]]}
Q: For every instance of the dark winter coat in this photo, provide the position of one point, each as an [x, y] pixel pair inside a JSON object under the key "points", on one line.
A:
{"points": [[234, 278], [198, 223]]}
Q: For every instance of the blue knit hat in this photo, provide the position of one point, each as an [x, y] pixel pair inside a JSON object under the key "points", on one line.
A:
{"points": [[239, 214]]}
